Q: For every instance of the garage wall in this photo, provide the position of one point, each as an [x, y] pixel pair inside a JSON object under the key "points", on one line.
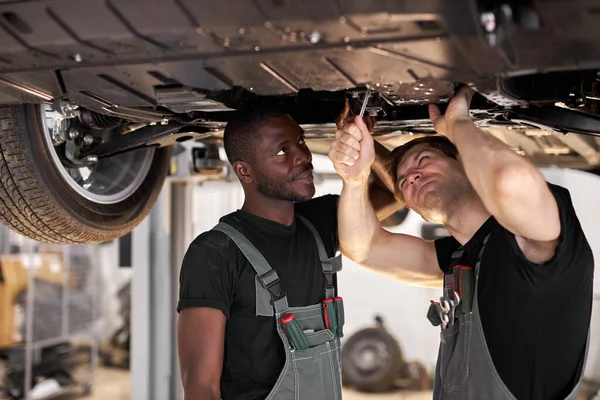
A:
{"points": [[404, 307]]}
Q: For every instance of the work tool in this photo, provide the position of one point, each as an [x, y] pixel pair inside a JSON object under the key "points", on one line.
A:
{"points": [[329, 315], [338, 303], [454, 303], [434, 313], [446, 309], [365, 101], [444, 318], [294, 332], [464, 286]]}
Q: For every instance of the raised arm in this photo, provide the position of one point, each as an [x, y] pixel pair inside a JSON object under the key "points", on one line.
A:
{"points": [[200, 339], [362, 239], [381, 188], [511, 188]]}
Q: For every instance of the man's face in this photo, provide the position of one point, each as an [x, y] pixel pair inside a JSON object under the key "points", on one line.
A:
{"points": [[283, 168], [430, 181]]}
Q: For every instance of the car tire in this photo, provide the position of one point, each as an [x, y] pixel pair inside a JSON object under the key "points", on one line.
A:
{"points": [[382, 371], [36, 200]]}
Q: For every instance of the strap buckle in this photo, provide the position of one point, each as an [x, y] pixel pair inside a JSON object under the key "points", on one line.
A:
{"points": [[330, 289], [270, 281], [327, 267], [268, 278]]}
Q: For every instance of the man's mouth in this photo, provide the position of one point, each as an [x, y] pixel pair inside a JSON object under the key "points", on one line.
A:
{"points": [[306, 174], [421, 186]]}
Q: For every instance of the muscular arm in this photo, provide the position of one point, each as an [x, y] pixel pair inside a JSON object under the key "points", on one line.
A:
{"points": [[362, 239], [511, 188], [381, 188], [200, 339]]}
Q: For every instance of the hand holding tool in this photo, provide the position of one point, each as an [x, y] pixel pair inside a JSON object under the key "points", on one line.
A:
{"points": [[365, 101], [294, 332]]}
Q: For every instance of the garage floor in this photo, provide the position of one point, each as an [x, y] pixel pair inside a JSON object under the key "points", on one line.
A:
{"points": [[114, 384]]}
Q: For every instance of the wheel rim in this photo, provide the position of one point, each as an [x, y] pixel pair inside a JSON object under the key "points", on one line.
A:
{"points": [[370, 355], [109, 181]]}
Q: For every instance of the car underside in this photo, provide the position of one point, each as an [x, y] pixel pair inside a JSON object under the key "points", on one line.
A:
{"points": [[96, 94]]}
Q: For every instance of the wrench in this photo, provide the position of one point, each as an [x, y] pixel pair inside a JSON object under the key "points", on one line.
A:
{"points": [[446, 310], [454, 303], [365, 101]]}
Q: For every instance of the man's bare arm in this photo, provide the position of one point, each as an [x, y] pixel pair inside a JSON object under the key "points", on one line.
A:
{"points": [[512, 189], [200, 340], [362, 239], [381, 189]]}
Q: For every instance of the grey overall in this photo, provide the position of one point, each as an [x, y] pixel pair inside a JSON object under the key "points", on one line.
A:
{"points": [[309, 374], [465, 369]]}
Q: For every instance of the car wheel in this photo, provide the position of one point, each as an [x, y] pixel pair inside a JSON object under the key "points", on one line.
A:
{"points": [[371, 360], [45, 200]]}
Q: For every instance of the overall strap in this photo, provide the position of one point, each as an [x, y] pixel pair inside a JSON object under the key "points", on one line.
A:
{"points": [[485, 240], [267, 276], [329, 266], [448, 275], [455, 260]]}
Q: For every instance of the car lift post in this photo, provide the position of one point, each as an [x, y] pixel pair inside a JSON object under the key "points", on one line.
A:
{"points": [[158, 247]]}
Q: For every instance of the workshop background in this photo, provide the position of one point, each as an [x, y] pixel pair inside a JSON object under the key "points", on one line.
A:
{"points": [[98, 321]]}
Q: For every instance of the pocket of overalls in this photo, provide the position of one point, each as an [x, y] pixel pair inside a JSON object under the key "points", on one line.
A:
{"points": [[318, 338], [455, 351], [316, 372]]}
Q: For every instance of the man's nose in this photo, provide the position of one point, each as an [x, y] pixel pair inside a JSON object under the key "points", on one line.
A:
{"points": [[414, 177], [304, 156]]}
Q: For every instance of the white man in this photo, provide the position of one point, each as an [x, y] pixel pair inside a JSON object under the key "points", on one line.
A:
{"points": [[517, 263]]}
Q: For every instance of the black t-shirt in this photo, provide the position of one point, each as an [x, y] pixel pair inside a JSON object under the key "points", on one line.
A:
{"points": [[535, 317], [216, 274]]}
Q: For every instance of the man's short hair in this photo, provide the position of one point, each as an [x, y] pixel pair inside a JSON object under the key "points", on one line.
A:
{"points": [[242, 131], [441, 143]]}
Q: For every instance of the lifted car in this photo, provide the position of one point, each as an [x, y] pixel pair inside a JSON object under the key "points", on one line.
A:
{"points": [[96, 93]]}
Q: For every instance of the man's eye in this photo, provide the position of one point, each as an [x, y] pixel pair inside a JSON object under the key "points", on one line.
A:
{"points": [[421, 159], [281, 152], [301, 140]]}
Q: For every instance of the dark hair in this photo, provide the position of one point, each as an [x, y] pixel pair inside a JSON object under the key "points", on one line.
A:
{"points": [[392, 162], [242, 131]]}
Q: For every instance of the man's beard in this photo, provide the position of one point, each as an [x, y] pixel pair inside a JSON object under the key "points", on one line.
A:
{"points": [[446, 197], [281, 190]]}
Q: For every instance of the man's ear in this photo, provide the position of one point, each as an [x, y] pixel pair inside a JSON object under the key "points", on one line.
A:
{"points": [[243, 170]]}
